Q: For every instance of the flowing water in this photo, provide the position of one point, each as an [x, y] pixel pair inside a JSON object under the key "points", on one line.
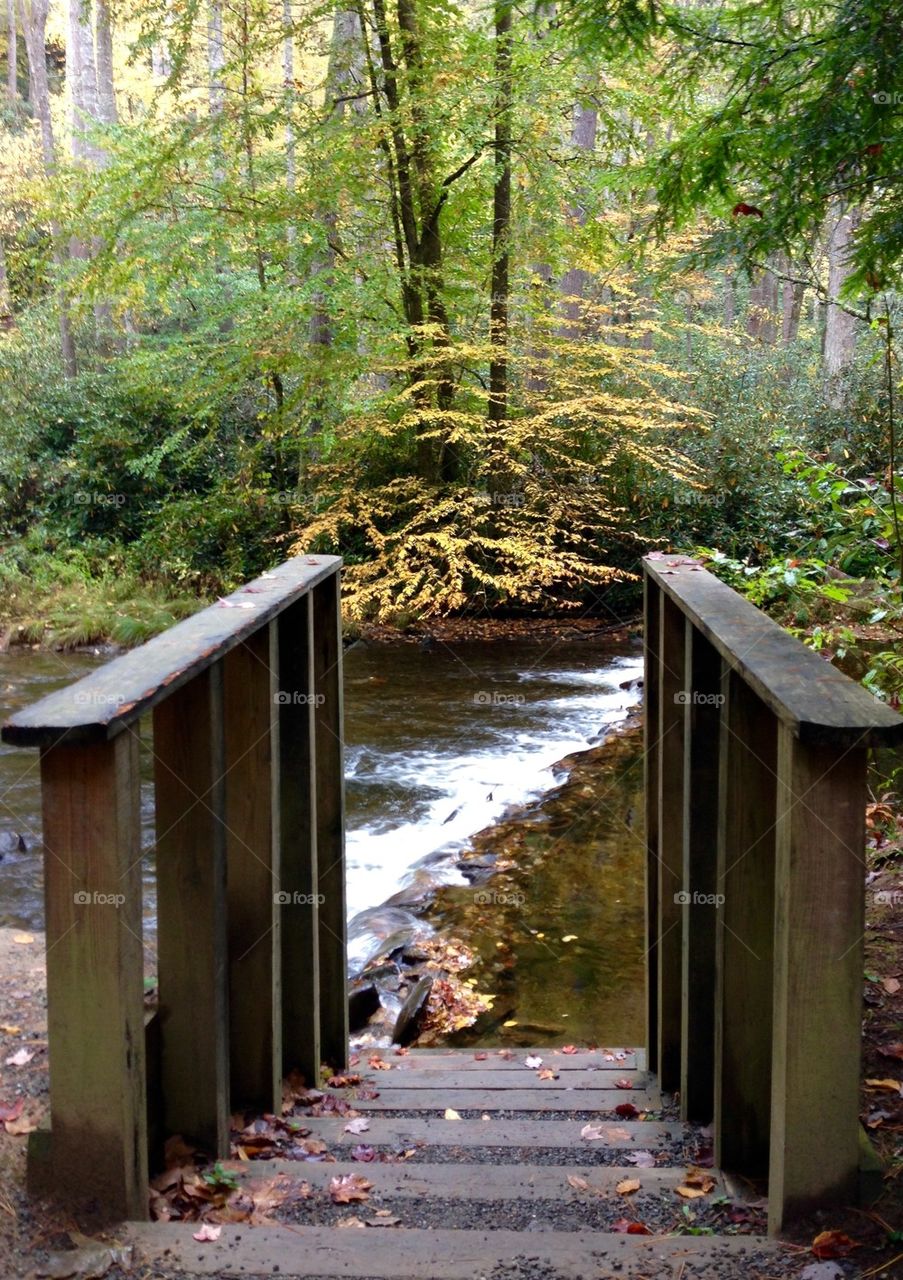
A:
{"points": [[441, 741]]}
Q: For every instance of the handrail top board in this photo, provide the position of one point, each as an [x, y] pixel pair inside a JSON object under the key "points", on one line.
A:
{"points": [[109, 699], [820, 704]]}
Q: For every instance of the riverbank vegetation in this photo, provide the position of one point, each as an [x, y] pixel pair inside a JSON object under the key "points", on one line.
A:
{"points": [[488, 300]]}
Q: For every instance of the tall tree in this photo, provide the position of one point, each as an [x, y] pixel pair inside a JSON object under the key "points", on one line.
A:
{"points": [[501, 217], [12, 54], [841, 325]]}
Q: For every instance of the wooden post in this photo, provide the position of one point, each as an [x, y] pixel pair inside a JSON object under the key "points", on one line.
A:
{"points": [[95, 974], [330, 807], [255, 1008], [672, 700], [298, 843], [189, 768], [651, 681], [745, 943], [819, 927], [700, 910]]}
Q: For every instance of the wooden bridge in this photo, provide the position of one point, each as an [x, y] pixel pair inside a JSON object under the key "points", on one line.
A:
{"points": [[756, 773]]}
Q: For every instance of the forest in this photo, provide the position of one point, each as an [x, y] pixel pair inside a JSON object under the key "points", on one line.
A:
{"points": [[489, 299]]}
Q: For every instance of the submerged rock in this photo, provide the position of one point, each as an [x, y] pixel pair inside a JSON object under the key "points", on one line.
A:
{"points": [[407, 1025], [363, 1002]]}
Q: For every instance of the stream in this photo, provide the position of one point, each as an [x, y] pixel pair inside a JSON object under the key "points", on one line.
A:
{"points": [[442, 742]]}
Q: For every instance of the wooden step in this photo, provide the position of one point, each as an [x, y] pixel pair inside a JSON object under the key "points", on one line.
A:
{"points": [[437, 1132], [325, 1253], [591, 1078], [539, 1097], [465, 1059], [468, 1182]]}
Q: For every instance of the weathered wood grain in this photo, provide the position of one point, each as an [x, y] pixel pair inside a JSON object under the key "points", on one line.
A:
{"points": [[95, 989], [651, 768], [102, 704], [815, 700], [669, 939]]}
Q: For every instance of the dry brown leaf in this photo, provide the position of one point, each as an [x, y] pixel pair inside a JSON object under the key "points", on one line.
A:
{"points": [[349, 1187], [891, 986], [578, 1183], [349, 1222], [628, 1186], [893, 1085], [690, 1193], [547, 1074]]}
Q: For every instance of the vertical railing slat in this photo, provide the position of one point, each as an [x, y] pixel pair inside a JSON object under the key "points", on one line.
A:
{"points": [[700, 838], [255, 1010], [95, 988], [745, 946], [819, 929], [189, 767], [298, 839], [651, 765], [330, 809], [672, 694]]}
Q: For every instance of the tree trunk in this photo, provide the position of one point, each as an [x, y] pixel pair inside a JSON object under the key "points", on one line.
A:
{"points": [[81, 80], [6, 305], [730, 299], [12, 54], [288, 76], [575, 282], [501, 218], [106, 90], [840, 326], [762, 310], [33, 19]]}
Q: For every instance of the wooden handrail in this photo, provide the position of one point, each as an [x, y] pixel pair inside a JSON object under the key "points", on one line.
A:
{"points": [[755, 770], [818, 702], [246, 702], [103, 703]]}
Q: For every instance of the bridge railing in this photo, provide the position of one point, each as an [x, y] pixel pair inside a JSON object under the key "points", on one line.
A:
{"points": [[246, 703], [755, 817]]}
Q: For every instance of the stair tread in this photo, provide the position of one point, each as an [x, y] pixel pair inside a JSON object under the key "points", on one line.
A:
{"points": [[536, 1097], [441, 1254], [438, 1132]]}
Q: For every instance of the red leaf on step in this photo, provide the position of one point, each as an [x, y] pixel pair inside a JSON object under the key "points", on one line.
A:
{"points": [[832, 1244], [627, 1111], [627, 1227], [623, 1084]]}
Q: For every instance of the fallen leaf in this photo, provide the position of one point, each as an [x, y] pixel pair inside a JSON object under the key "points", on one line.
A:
{"points": [[349, 1222], [893, 1085], [207, 1232], [512, 1022], [548, 1074], [832, 1244], [451, 1114], [569, 937], [9, 1030], [626, 1110], [532, 1062], [387, 1221], [349, 1187], [570, 1048], [891, 986], [698, 1178], [19, 1059], [578, 1183], [506, 1055], [690, 1193], [592, 1132], [20, 1127], [624, 1084], [342, 1082], [892, 1051], [628, 1186], [626, 1227], [481, 1056], [11, 1110], [378, 1063], [642, 1159], [363, 1154], [360, 1125], [23, 939]]}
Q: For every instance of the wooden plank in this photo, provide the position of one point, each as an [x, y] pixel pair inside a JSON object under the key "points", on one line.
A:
{"points": [[672, 695], [815, 700], [330, 809], [651, 766], [191, 912], [819, 929], [745, 941], [255, 1011], [472, 1182], [297, 835], [645, 1135], [95, 975], [102, 704], [447, 1254], [466, 1060], [539, 1099], [475, 1081], [702, 713]]}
